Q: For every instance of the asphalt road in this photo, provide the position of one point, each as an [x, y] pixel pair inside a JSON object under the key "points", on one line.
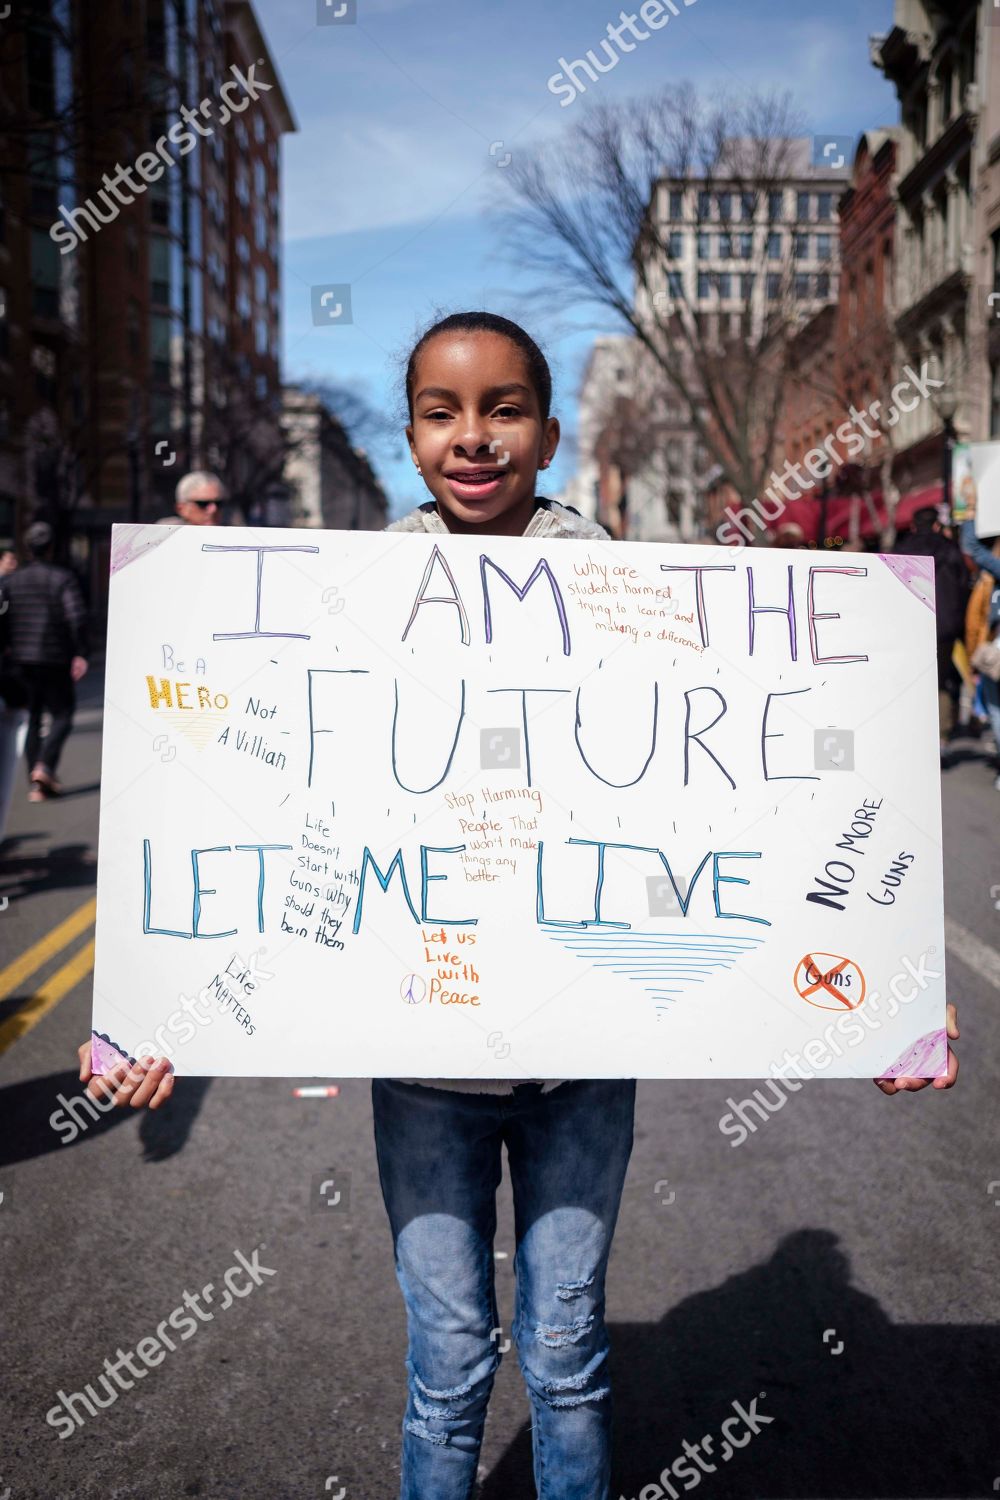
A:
{"points": [[842, 1260]]}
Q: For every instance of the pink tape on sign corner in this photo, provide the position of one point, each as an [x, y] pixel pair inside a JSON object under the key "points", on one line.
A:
{"points": [[926, 1058], [104, 1055]]}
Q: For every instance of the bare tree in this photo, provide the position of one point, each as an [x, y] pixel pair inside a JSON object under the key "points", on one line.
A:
{"points": [[369, 428], [588, 220]]}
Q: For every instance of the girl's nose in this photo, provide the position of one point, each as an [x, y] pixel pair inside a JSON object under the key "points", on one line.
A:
{"points": [[474, 437]]}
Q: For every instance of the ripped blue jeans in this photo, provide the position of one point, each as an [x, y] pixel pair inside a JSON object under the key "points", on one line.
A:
{"points": [[439, 1157]]}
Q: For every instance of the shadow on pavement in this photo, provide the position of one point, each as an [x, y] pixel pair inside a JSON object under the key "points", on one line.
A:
{"points": [[902, 1410], [26, 1109], [60, 867]]}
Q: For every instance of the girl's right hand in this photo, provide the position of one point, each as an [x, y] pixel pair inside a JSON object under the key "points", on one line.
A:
{"points": [[147, 1082]]}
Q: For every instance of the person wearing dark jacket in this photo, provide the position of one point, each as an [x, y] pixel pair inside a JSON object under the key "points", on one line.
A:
{"points": [[951, 587], [44, 626]]}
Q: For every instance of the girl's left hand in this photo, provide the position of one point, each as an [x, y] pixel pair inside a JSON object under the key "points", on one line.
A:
{"points": [[912, 1085]]}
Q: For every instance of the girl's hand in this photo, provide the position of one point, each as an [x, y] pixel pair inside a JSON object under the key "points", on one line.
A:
{"points": [[912, 1085], [148, 1082]]}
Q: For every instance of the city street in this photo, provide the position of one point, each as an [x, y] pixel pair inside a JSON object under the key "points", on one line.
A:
{"points": [[838, 1268]]}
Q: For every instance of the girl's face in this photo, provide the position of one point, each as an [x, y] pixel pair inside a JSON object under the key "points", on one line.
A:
{"points": [[478, 436]]}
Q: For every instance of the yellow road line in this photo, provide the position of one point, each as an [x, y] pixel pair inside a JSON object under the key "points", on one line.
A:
{"points": [[47, 947], [51, 992]]}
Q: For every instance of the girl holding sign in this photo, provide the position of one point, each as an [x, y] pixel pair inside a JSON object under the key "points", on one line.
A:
{"points": [[480, 427]]}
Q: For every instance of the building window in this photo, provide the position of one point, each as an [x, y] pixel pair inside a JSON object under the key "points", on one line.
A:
{"points": [[704, 285], [243, 185], [260, 179], [748, 206], [260, 387], [774, 246], [946, 93], [823, 285], [824, 207], [45, 260], [676, 204], [775, 206], [159, 269], [260, 229], [744, 246], [802, 207], [160, 329], [824, 246], [43, 175], [704, 246], [801, 250], [773, 286], [675, 245], [675, 284], [724, 282], [132, 328], [802, 287], [43, 362], [704, 205], [747, 282], [243, 306], [725, 247], [725, 201], [260, 285], [258, 128], [242, 139], [159, 202], [243, 249]]}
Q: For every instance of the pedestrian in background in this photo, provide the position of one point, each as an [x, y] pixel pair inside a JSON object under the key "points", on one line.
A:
{"points": [[44, 634], [982, 624], [199, 500], [951, 585], [8, 562]]}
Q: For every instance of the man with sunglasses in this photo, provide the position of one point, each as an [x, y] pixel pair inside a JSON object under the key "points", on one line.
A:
{"points": [[199, 500]]}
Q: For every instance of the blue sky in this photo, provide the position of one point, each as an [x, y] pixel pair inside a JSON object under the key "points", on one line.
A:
{"points": [[387, 183]]}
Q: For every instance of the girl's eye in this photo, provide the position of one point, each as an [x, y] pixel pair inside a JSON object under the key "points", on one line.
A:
{"points": [[507, 411], [437, 416]]}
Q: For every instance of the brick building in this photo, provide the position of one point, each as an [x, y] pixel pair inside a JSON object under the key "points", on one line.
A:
{"points": [[139, 262], [848, 360]]}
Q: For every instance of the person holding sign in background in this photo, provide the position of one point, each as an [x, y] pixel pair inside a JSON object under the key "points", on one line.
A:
{"points": [[480, 427]]}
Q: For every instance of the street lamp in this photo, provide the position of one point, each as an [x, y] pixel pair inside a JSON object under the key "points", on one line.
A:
{"points": [[947, 447]]}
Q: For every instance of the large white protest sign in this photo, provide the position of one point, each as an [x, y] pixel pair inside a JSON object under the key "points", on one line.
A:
{"points": [[418, 806]]}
